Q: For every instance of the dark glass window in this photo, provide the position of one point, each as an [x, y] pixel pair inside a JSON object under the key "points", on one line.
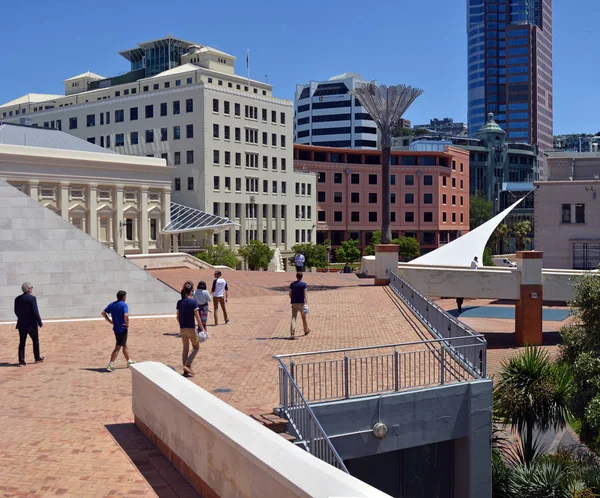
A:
{"points": [[566, 213], [337, 178], [189, 131], [321, 196], [427, 198], [133, 114], [409, 198], [321, 216], [91, 120], [190, 156], [579, 213], [409, 180], [428, 179], [133, 138], [163, 135], [355, 216], [176, 107], [372, 216], [149, 111], [119, 139], [355, 178], [372, 198], [409, 217], [163, 109], [149, 136], [189, 105], [355, 197], [177, 183], [337, 216], [176, 132], [321, 177], [372, 179], [427, 216], [72, 123]]}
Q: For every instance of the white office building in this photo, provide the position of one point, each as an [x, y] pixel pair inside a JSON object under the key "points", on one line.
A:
{"points": [[327, 115], [228, 138]]}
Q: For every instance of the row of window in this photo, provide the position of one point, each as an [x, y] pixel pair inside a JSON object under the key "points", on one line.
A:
{"points": [[250, 112], [251, 210], [237, 86], [567, 211], [373, 179], [372, 217], [252, 160], [250, 135], [149, 136], [252, 185], [409, 198]]}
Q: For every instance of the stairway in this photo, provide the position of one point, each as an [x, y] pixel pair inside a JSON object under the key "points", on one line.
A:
{"points": [[274, 423]]}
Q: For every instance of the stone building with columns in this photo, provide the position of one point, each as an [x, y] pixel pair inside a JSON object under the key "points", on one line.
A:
{"points": [[122, 201]]}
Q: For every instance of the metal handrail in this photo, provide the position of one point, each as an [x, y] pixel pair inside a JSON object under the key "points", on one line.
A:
{"points": [[304, 422]]}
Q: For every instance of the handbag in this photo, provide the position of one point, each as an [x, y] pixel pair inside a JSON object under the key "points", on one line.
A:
{"points": [[305, 309]]}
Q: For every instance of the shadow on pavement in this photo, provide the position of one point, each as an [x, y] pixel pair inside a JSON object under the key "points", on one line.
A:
{"points": [[506, 340], [152, 465], [9, 365], [98, 370]]}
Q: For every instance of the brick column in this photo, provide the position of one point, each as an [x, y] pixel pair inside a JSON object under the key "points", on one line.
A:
{"points": [[528, 311]]}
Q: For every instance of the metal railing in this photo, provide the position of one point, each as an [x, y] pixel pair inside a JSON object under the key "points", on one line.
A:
{"points": [[305, 425]]}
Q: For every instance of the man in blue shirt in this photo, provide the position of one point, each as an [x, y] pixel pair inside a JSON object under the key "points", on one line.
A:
{"points": [[298, 299], [119, 318], [299, 260], [187, 312]]}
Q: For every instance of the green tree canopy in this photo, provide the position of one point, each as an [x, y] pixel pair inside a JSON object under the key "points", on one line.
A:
{"points": [[521, 231], [481, 210], [499, 240], [408, 247], [257, 254], [404, 132], [348, 252], [315, 255], [219, 255]]}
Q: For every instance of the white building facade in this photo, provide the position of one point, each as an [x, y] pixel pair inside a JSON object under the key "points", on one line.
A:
{"points": [[327, 115], [228, 139]]}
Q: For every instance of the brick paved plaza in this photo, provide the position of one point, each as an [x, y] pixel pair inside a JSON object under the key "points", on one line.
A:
{"points": [[66, 425]]}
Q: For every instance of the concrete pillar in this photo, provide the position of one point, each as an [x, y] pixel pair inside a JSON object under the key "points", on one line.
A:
{"points": [[119, 222], [175, 242], [259, 222], [269, 226], [34, 190], [243, 225], [278, 241], [92, 204], [386, 261], [529, 307], [166, 207], [144, 229], [64, 200]]}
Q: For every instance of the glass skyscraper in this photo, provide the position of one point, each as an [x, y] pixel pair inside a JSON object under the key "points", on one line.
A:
{"points": [[510, 68]]}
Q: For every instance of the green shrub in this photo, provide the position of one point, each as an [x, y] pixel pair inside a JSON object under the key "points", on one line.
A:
{"points": [[219, 255], [257, 254]]}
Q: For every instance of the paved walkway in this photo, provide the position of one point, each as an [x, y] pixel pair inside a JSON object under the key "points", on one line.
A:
{"points": [[66, 425]]}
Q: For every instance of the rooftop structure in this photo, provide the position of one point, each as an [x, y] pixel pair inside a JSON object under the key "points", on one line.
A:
{"points": [[326, 115], [228, 138], [445, 127]]}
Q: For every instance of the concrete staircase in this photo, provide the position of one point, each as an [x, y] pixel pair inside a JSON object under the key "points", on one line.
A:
{"points": [[274, 423]]}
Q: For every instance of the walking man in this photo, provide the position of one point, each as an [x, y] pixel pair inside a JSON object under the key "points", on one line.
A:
{"points": [[187, 312], [119, 319], [220, 292], [28, 321], [459, 303], [298, 299], [475, 263], [299, 260]]}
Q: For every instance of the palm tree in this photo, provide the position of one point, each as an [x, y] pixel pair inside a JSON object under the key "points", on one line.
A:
{"points": [[532, 393], [386, 105]]}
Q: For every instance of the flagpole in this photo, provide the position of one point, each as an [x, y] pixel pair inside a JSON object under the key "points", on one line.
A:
{"points": [[248, 65]]}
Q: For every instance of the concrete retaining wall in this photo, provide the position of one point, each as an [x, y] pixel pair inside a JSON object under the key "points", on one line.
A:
{"points": [[223, 452]]}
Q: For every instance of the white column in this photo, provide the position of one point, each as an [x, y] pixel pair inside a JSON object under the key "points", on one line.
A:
{"points": [[243, 225], [167, 245], [144, 229], [34, 190], [92, 205], [259, 222], [64, 200], [119, 230], [278, 240], [269, 225]]}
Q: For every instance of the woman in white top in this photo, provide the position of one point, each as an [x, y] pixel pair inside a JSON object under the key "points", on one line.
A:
{"points": [[202, 297]]}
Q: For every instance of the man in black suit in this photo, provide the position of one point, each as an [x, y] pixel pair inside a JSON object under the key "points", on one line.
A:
{"points": [[28, 320]]}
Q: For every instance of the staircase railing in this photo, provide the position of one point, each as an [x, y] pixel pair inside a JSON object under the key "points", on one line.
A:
{"points": [[304, 422]]}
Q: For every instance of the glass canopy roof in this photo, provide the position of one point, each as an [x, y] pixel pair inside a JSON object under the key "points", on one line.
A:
{"points": [[187, 219]]}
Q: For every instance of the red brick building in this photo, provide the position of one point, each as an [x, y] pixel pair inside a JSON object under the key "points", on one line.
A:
{"points": [[429, 193]]}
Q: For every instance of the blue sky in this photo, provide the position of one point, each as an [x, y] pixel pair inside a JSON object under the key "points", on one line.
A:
{"points": [[421, 43]]}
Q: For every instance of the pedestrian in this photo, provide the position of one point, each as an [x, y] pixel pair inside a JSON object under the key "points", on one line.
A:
{"points": [[299, 302], [459, 303], [28, 321], [119, 319], [202, 297], [475, 263], [299, 261], [187, 315], [347, 268], [220, 292]]}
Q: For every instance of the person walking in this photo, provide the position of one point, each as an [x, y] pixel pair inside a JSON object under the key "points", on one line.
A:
{"points": [[459, 303], [187, 312], [202, 297], [299, 261], [119, 319], [475, 263], [220, 292], [298, 300], [28, 321]]}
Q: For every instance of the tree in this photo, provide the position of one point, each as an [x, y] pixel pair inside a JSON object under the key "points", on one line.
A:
{"points": [[487, 257], [219, 255], [521, 231], [404, 132], [499, 239], [257, 254], [533, 393], [375, 240], [386, 105], [421, 131], [481, 210], [408, 247], [348, 252], [315, 255]]}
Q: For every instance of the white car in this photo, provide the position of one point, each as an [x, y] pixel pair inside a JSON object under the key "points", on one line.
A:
{"points": [[505, 262]]}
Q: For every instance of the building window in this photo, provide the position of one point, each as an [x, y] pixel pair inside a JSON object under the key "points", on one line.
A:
{"points": [[392, 198], [586, 256], [355, 216], [454, 200], [453, 217], [453, 182], [216, 182], [393, 216], [226, 132], [149, 111], [579, 213], [91, 120], [409, 217], [190, 156], [337, 216], [282, 137], [274, 139], [72, 123], [372, 198], [163, 135], [176, 107], [133, 114], [238, 188], [355, 197], [133, 138], [177, 158], [215, 105], [216, 157], [189, 131], [337, 197], [321, 177], [129, 228], [149, 136], [176, 132], [355, 178], [282, 118], [237, 109], [238, 134], [190, 183], [427, 180], [409, 198], [119, 139], [409, 180], [427, 216], [321, 196], [153, 228], [238, 158], [373, 216], [227, 158], [189, 105], [163, 109], [177, 183], [566, 213], [444, 180], [321, 216], [337, 178], [392, 179], [444, 217], [372, 179], [226, 107]]}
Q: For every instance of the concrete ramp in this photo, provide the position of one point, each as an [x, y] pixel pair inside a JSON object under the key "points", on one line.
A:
{"points": [[73, 275]]}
